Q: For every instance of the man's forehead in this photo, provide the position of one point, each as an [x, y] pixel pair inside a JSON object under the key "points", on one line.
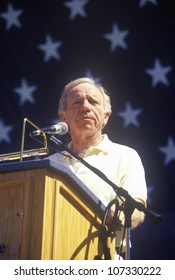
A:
{"points": [[84, 89]]}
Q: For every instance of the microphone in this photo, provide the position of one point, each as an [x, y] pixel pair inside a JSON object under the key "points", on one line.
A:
{"points": [[59, 128]]}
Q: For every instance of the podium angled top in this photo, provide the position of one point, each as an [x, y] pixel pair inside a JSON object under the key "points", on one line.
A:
{"points": [[64, 172]]}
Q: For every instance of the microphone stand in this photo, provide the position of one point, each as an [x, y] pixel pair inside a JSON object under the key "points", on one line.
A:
{"points": [[129, 203]]}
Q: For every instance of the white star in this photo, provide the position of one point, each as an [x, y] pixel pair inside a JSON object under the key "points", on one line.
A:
{"points": [[11, 17], [130, 115], [150, 189], [144, 2], [56, 120], [4, 131], [117, 38], [25, 92], [159, 73], [169, 150], [89, 74], [76, 8], [50, 48]]}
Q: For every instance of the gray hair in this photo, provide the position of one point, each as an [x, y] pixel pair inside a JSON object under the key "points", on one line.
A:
{"points": [[63, 104]]}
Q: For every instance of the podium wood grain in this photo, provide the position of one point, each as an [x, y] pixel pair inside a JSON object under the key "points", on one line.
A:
{"points": [[57, 222]]}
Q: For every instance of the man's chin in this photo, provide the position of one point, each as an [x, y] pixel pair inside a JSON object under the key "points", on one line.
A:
{"points": [[86, 127]]}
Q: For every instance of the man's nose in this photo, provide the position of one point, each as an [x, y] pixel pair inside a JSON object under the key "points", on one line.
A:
{"points": [[85, 106]]}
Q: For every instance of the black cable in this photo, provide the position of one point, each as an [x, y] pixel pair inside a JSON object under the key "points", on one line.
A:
{"points": [[108, 230], [122, 241], [50, 147]]}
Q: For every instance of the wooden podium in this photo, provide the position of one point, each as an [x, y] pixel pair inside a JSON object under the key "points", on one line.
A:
{"points": [[47, 213]]}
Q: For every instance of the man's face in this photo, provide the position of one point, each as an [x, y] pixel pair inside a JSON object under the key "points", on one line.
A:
{"points": [[85, 109]]}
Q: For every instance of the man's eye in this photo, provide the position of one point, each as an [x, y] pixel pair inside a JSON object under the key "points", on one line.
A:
{"points": [[94, 102], [77, 102]]}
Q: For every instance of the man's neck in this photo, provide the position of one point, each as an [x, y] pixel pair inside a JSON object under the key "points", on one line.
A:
{"points": [[81, 144]]}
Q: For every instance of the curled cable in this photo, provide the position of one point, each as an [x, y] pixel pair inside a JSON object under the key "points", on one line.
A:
{"points": [[108, 229]]}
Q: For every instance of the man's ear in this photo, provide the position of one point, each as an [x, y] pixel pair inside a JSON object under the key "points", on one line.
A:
{"points": [[106, 118], [63, 117]]}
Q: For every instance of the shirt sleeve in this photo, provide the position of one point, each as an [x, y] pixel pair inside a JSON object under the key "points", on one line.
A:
{"points": [[133, 179]]}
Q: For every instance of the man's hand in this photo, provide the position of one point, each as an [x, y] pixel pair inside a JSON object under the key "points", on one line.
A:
{"points": [[136, 218]]}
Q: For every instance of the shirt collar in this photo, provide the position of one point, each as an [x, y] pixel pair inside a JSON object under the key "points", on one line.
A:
{"points": [[103, 146]]}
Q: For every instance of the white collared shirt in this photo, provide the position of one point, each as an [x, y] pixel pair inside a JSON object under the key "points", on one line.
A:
{"points": [[120, 164]]}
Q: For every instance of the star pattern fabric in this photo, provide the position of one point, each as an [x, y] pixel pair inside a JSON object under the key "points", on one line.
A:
{"points": [[142, 3], [169, 151], [5, 130], [130, 115], [128, 47], [50, 49], [117, 38], [25, 92], [77, 7], [159, 73], [12, 17]]}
